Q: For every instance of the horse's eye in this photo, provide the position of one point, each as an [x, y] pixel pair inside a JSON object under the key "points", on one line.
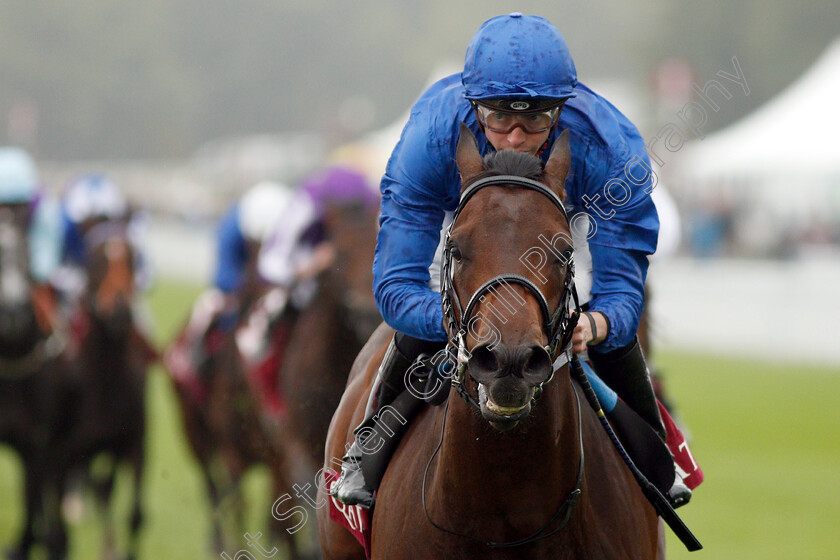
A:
{"points": [[455, 252]]}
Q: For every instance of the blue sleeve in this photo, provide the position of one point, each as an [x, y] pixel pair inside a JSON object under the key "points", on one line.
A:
{"points": [[613, 184], [626, 234], [46, 236], [230, 252], [618, 285], [414, 190], [72, 248]]}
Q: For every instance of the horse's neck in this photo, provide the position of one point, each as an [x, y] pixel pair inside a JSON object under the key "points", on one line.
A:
{"points": [[327, 302], [106, 346], [541, 457]]}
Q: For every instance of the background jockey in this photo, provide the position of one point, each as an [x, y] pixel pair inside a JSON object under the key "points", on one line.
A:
{"points": [[518, 91], [21, 187], [88, 200], [240, 231], [297, 250]]}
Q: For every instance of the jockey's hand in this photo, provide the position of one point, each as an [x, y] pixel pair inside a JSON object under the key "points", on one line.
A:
{"points": [[323, 257], [583, 335]]}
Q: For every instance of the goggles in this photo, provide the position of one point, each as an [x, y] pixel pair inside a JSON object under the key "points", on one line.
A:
{"points": [[503, 122]]}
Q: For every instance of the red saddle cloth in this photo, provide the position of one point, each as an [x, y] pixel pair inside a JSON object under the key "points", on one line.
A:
{"points": [[264, 375], [179, 362], [353, 518], [691, 472]]}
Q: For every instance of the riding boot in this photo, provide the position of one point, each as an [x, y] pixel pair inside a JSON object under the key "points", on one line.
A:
{"points": [[626, 372], [351, 487]]}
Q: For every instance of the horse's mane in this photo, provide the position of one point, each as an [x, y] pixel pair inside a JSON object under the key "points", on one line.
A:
{"points": [[509, 162]]}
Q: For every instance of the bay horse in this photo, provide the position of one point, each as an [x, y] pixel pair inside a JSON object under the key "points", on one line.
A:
{"points": [[526, 470], [329, 332], [223, 425], [36, 384], [109, 416]]}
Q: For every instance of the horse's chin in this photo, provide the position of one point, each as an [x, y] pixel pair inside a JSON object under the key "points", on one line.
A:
{"points": [[502, 418]]}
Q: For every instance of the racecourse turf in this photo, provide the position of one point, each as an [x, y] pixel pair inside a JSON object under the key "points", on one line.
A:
{"points": [[766, 434]]}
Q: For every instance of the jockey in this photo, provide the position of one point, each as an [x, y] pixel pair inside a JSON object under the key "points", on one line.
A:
{"points": [[295, 253], [518, 91], [20, 186], [88, 200], [297, 250], [248, 221]]}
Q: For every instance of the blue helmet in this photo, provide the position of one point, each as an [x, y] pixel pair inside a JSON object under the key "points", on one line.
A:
{"points": [[518, 62], [18, 178]]}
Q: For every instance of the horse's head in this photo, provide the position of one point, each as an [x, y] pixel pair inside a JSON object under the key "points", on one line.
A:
{"points": [[507, 274], [110, 262], [350, 228], [19, 330]]}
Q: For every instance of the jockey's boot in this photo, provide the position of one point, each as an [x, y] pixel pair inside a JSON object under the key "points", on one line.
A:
{"points": [[351, 488], [626, 372]]}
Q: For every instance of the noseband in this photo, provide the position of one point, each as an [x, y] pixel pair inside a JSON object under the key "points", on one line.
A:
{"points": [[556, 325]]}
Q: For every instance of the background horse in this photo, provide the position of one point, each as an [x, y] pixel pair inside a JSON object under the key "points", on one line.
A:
{"points": [[109, 417], [328, 334], [528, 471], [36, 383], [313, 349], [223, 424]]}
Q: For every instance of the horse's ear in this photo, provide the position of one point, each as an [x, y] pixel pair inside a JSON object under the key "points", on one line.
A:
{"points": [[558, 165], [467, 157]]}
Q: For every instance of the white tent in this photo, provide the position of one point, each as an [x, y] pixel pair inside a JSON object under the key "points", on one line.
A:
{"points": [[777, 171], [795, 133]]}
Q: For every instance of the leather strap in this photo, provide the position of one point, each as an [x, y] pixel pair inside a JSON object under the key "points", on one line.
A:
{"points": [[592, 325]]}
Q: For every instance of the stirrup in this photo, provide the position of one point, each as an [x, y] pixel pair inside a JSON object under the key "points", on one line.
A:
{"points": [[351, 489], [679, 494]]}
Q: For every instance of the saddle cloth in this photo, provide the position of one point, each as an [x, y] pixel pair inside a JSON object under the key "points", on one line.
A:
{"points": [[353, 518]]}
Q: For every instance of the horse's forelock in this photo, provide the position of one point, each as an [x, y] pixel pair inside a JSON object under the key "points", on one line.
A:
{"points": [[509, 162]]}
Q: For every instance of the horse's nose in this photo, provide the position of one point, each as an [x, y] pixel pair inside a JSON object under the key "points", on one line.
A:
{"points": [[530, 362]]}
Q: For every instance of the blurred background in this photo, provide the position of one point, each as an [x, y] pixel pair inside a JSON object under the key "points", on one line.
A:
{"points": [[187, 103]]}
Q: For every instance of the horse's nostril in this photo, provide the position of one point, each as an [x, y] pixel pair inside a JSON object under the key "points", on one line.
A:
{"points": [[484, 364], [536, 364]]}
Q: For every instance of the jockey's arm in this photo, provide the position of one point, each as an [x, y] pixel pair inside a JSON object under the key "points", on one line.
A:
{"points": [[413, 200], [46, 238], [624, 235], [230, 252]]}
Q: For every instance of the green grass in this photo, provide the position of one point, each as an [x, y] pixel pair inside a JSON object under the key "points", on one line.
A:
{"points": [[767, 437]]}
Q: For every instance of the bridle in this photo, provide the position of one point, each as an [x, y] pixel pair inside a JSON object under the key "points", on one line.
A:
{"points": [[557, 325]]}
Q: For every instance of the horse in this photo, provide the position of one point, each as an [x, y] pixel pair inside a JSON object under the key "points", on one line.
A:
{"points": [[223, 424], [520, 467], [328, 334], [36, 384], [109, 416]]}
